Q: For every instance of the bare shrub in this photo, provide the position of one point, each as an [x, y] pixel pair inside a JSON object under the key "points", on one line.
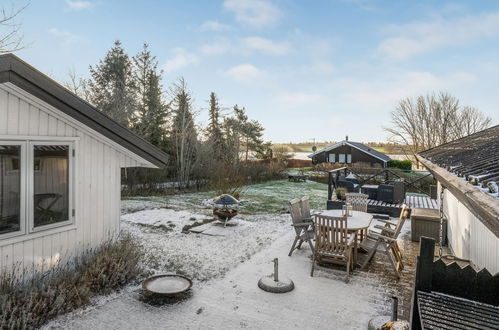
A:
{"points": [[30, 303]]}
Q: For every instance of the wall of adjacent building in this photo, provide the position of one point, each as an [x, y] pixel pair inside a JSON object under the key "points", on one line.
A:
{"points": [[468, 237]]}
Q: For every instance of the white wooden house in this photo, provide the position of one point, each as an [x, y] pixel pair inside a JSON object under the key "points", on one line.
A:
{"points": [[467, 171], [60, 167]]}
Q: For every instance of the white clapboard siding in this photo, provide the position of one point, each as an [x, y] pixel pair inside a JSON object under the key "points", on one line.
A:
{"points": [[97, 184], [468, 237]]}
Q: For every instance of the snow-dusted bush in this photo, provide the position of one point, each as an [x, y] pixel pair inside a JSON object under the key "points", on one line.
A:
{"points": [[29, 303]]}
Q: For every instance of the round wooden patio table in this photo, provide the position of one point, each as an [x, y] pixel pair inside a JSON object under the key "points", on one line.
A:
{"points": [[357, 223]]}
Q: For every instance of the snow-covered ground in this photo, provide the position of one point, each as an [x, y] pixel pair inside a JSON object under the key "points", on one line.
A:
{"points": [[324, 301], [226, 270]]}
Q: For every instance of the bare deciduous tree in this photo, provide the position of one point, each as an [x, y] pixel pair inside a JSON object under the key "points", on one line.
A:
{"points": [[77, 85], [12, 39], [432, 120]]}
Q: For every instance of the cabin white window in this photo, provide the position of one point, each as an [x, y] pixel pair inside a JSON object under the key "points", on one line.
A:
{"points": [[349, 158], [332, 158], [341, 158], [36, 186]]}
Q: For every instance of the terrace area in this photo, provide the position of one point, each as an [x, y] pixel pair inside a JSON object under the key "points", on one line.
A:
{"points": [[226, 265]]}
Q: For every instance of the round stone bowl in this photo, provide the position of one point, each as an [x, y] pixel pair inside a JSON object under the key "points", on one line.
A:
{"points": [[169, 285]]}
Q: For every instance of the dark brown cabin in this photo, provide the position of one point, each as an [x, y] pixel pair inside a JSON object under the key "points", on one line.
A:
{"points": [[350, 153]]}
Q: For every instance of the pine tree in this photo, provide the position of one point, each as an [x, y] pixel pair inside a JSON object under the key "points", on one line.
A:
{"points": [[215, 136], [112, 87], [183, 134], [151, 110], [243, 134]]}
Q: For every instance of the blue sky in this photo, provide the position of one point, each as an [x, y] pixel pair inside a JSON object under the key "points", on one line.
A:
{"points": [[304, 69]]}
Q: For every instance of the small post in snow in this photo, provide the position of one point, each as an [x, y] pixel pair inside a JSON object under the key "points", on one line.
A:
{"points": [[276, 270]]}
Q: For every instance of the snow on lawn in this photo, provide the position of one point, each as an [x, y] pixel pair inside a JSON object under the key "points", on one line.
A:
{"points": [[199, 256]]}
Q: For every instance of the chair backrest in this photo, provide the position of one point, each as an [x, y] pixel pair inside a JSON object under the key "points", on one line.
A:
{"points": [[358, 201], [305, 207], [403, 216], [330, 234], [294, 210]]}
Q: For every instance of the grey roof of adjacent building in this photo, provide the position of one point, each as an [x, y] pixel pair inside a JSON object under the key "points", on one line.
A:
{"points": [[26, 77], [356, 145], [473, 156]]}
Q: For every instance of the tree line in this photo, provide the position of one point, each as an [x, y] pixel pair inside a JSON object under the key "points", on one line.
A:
{"points": [[129, 90]]}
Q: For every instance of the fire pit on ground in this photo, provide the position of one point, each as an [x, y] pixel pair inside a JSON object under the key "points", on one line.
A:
{"points": [[225, 207]]}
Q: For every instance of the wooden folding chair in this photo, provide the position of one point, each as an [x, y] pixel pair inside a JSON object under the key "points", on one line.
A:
{"points": [[332, 242], [386, 242], [303, 228]]}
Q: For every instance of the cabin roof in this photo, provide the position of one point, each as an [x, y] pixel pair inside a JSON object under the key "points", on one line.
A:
{"points": [[356, 145], [26, 77]]}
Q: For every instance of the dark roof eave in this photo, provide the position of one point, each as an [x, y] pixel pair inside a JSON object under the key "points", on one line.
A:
{"points": [[482, 205], [24, 76]]}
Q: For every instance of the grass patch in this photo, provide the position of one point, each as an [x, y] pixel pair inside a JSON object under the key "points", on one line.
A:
{"points": [[30, 304]]}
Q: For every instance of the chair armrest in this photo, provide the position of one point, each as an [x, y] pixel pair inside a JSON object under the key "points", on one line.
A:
{"points": [[307, 219], [383, 228], [385, 238], [302, 224]]}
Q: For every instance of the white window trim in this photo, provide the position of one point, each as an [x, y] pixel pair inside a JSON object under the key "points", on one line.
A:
{"points": [[23, 185], [340, 158], [31, 208], [27, 229]]}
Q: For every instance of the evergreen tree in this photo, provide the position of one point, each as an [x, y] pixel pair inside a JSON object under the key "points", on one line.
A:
{"points": [[242, 134], [215, 136], [183, 134], [151, 110], [112, 87]]}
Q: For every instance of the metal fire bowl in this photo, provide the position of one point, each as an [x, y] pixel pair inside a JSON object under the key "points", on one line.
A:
{"points": [[224, 215], [147, 282]]}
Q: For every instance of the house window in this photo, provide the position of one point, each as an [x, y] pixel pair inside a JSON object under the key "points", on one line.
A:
{"points": [[50, 184], [10, 189], [349, 158], [332, 158], [35, 186], [341, 158]]}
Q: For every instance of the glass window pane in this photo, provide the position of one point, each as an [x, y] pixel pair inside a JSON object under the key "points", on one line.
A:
{"points": [[10, 189], [341, 158], [51, 185]]}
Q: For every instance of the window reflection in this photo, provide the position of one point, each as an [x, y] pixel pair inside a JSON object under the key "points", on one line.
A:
{"points": [[51, 184], [10, 189]]}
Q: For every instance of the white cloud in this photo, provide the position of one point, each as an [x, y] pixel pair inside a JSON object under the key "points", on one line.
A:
{"points": [[78, 5], [180, 60], [214, 26], [409, 40], [255, 13], [266, 46], [66, 37], [246, 73]]}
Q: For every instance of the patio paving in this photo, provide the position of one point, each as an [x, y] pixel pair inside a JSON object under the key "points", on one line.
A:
{"points": [[235, 301]]}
